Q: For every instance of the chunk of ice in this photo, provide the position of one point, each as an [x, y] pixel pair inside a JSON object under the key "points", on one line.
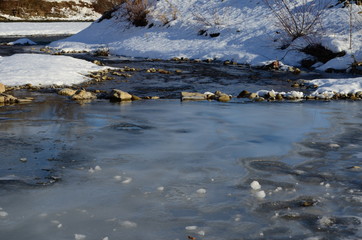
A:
{"points": [[191, 228], [3, 214], [255, 185], [260, 194], [128, 224], [201, 191], [79, 236]]}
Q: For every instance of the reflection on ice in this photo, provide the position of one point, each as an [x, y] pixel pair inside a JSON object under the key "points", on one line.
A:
{"points": [[200, 169]]}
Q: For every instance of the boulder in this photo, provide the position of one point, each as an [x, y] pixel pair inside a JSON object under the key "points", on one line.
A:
{"points": [[244, 94], [67, 92], [253, 95], [222, 97], [6, 98], [119, 95], [2, 88], [83, 95], [192, 96], [135, 98]]}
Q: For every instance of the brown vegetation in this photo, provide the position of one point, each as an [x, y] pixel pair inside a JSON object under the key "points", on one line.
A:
{"points": [[136, 12], [39, 8]]}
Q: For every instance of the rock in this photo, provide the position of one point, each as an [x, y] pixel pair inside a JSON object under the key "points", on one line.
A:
{"points": [[135, 98], [295, 85], [253, 95], [271, 94], [98, 62], [274, 65], [244, 94], [310, 97], [83, 95], [119, 95], [192, 96], [6, 98], [279, 97], [358, 94], [67, 92], [259, 99], [25, 100], [2, 88], [222, 97]]}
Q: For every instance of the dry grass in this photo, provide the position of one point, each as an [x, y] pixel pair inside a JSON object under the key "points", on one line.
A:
{"points": [[40, 8], [136, 12]]}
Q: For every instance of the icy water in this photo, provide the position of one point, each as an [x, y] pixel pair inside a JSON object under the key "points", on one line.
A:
{"points": [[167, 169]]}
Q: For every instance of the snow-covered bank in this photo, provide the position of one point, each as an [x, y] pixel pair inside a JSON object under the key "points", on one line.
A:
{"points": [[49, 10], [41, 28], [44, 70], [246, 32]]}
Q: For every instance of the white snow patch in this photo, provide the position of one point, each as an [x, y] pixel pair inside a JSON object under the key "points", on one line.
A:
{"points": [[345, 85], [247, 33], [22, 41], [41, 28], [44, 70]]}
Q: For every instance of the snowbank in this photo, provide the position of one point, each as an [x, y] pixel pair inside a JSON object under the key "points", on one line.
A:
{"points": [[43, 70], [343, 86], [22, 41], [243, 31], [41, 28]]}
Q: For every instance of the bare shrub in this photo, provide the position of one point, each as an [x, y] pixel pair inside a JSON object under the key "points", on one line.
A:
{"points": [[101, 6], [136, 12], [168, 14], [301, 20], [211, 18]]}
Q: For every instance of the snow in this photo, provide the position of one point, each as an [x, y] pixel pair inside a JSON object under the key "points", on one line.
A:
{"points": [[41, 28], [248, 32], [346, 85], [22, 41], [44, 70], [76, 1]]}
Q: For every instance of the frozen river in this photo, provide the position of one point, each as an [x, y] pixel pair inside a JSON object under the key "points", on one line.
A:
{"points": [[167, 169]]}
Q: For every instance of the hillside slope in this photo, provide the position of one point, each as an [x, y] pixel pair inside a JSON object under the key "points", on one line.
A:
{"points": [[53, 10], [243, 31]]}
